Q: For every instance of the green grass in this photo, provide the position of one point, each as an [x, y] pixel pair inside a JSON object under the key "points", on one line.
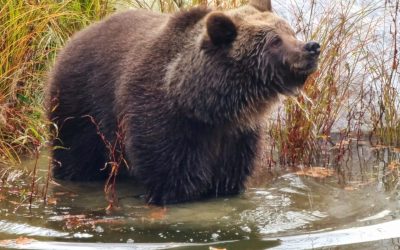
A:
{"points": [[355, 89]]}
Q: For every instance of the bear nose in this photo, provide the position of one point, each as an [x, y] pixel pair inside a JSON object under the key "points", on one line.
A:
{"points": [[313, 48]]}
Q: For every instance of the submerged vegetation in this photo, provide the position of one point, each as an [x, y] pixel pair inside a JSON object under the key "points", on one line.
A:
{"points": [[354, 92]]}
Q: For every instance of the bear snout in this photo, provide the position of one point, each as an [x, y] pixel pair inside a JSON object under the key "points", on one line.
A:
{"points": [[312, 48], [307, 60]]}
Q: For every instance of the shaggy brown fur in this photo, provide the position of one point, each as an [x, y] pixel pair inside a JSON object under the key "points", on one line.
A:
{"points": [[190, 91]]}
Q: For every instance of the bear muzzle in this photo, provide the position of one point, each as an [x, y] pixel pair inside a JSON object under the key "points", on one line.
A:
{"points": [[312, 48], [307, 62]]}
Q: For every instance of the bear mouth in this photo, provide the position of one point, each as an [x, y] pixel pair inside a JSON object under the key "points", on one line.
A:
{"points": [[290, 79], [305, 69], [295, 85], [294, 81], [298, 77]]}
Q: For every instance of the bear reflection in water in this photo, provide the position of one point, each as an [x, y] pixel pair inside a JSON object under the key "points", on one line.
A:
{"points": [[186, 94]]}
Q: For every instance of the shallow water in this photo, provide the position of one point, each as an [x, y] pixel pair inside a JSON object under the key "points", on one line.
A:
{"points": [[357, 206]]}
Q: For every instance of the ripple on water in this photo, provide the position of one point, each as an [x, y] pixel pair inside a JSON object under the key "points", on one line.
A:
{"points": [[28, 230]]}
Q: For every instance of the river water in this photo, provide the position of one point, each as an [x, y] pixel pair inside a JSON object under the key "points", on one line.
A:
{"points": [[355, 204]]}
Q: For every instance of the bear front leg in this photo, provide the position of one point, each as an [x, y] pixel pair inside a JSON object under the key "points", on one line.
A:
{"points": [[175, 182], [177, 189], [237, 162], [174, 172]]}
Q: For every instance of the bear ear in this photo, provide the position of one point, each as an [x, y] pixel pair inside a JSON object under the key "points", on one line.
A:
{"points": [[220, 29], [262, 5]]}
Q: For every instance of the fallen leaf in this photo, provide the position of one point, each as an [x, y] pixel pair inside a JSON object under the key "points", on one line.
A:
{"points": [[316, 172], [349, 188], [51, 201], [60, 193], [65, 194], [5, 242], [73, 221], [342, 144], [158, 214], [379, 147], [80, 220], [15, 191], [214, 248], [76, 216], [105, 221], [394, 165], [112, 207], [23, 241]]}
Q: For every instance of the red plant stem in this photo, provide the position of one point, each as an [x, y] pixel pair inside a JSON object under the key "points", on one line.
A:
{"points": [[33, 178]]}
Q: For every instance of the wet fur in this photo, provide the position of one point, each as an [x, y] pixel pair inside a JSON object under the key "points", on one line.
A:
{"points": [[189, 105]]}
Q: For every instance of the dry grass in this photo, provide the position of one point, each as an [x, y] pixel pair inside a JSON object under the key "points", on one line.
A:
{"points": [[32, 32], [337, 96], [355, 89]]}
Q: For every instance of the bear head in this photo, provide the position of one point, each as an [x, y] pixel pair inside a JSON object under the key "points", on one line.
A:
{"points": [[237, 61], [265, 43]]}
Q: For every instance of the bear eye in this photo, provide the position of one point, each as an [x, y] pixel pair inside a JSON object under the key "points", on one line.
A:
{"points": [[276, 42]]}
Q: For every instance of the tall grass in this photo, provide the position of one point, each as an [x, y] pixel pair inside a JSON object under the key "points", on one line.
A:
{"points": [[355, 89], [385, 71], [31, 34], [336, 97]]}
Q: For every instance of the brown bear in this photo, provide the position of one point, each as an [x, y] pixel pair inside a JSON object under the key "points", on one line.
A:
{"points": [[189, 90]]}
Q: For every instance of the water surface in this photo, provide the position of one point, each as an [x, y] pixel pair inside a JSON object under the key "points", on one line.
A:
{"points": [[355, 205]]}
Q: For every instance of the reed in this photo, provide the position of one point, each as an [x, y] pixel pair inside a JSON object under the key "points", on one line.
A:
{"points": [[340, 97], [354, 90], [31, 34]]}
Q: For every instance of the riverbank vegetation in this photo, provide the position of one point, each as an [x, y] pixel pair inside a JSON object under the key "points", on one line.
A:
{"points": [[31, 34], [354, 92]]}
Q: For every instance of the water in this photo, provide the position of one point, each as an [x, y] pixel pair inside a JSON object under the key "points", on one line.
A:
{"points": [[356, 207]]}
